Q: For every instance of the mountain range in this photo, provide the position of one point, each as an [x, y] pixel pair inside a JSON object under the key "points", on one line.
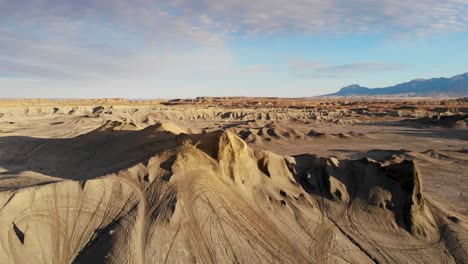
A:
{"points": [[454, 86]]}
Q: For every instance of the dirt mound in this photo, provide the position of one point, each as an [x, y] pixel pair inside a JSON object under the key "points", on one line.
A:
{"points": [[255, 132], [437, 154], [457, 120], [320, 135], [447, 121], [165, 127], [117, 126], [395, 187], [109, 148]]}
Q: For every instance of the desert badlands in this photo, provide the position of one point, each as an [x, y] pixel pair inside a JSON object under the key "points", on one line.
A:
{"points": [[234, 180]]}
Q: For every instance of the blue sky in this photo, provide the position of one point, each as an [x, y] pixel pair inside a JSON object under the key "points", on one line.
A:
{"points": [[184, 48]]}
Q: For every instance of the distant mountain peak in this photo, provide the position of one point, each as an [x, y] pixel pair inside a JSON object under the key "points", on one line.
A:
{"points": [[461, 76], [353, 89], [454, 86], [352, 86]]}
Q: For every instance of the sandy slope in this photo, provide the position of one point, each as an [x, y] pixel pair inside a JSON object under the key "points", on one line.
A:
{"points": [[146, 184]]}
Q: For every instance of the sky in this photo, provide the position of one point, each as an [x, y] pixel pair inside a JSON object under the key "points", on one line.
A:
{"points": [[143, 49]]}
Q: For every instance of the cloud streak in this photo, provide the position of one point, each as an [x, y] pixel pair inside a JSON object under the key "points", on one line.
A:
{"points": [[313, 69]]}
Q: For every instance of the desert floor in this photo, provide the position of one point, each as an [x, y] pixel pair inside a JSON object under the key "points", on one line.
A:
{"points": [[243, 180]]}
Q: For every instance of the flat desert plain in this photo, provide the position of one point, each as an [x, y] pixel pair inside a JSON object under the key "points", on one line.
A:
{"points": [[234, 180]]}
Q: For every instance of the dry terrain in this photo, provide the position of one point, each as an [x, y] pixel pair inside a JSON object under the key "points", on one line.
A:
{"points": [[234, 180]]}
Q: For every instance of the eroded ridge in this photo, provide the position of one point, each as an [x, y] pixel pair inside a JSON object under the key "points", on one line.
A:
{"points": [[126, 194]]}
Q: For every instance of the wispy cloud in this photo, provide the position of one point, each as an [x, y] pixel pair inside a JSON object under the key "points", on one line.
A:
{"points": [[317, 69], [333, 16], [210, 21]]}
